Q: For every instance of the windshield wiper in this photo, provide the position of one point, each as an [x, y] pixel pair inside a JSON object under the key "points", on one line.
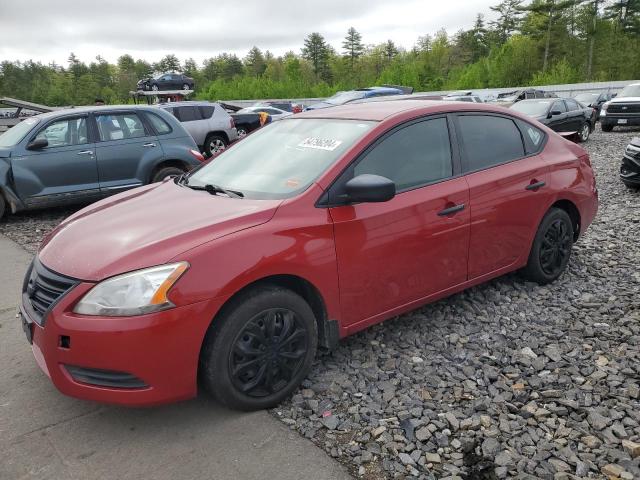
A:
{"points": [[214, 189]]}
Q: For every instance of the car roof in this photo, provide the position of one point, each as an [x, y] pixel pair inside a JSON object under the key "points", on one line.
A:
{"points": [[378, 111], [91, 108], [184, 103], [377, 89]]}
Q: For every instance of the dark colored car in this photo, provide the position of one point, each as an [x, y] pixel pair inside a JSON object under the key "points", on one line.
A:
{"points": [[342, 98], [509, 98], [83, 154], [630, 168], [594, 100], [309, 230], [291, 107], [622, 111], [167, 81], [563, 115]]}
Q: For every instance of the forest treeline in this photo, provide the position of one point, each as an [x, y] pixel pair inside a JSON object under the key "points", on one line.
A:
{"points": [[536, 42]]}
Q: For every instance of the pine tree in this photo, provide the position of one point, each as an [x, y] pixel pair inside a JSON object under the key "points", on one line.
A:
{"points": [[390, 50], [509, 18], [316, 51], [255, 62], [352, 46]]}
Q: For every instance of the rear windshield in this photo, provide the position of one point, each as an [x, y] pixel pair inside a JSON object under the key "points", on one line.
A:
{"points": [[533, 109], [14, 135]]}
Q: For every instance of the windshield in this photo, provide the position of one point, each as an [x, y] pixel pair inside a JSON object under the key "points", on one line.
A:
{"points": [[587, 98], [14, 135], [533, 109], [344, 97], [282, 159], [630, 91]]}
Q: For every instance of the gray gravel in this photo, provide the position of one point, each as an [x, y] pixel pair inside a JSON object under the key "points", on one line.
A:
{"points": [[508, 379]]}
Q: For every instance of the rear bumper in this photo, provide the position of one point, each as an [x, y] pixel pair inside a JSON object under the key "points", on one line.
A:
{"points": [[135, 361]]}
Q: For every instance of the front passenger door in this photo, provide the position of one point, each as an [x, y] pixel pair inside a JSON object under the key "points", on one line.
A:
{"points": [[394, 253]]}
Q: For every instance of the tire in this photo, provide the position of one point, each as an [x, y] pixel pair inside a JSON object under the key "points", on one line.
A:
{"points": [[606, 128], [242, 132], [186, 87], [629, 185], [215, 144], [3, 205], [584, 132], [551, 249], [155, 87], [164, 173], [243, 364]]}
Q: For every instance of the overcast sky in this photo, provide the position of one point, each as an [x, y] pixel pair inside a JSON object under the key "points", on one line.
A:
{"points": [[48, 30]]}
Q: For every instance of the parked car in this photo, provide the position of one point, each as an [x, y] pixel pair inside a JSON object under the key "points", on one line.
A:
{"points": [[387, 98], [463, 98], [563, 115], [167, 81], [274, 113], [341, 98], [594, 100], [630, 168], [509, 98], [282, 105], [211, 127], [623, 110], [305, 232], [246, 122], [84, 154]]}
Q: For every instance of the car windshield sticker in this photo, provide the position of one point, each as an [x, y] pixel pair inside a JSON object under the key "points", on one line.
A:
{"points": [[320, 143], [293, 183], [535, 135]]}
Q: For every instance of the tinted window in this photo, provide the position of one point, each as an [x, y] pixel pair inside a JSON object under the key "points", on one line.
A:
{"points": [[62, 133], [533, 137], [489, 141], [412, 156], [206, 111], [558, 107], [160, 126], [572, 105], [187, 114], [119, 127]]}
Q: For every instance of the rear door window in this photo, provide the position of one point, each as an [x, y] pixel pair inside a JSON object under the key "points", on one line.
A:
{"points": [[559, 107], [489, 140], [415, 155], [119, 126], [206, 111], [571, 105], [188, 114]]}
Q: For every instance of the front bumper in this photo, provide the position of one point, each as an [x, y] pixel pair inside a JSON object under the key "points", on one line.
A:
{"points": [[630, 170], [619, 120], [135, 361]]}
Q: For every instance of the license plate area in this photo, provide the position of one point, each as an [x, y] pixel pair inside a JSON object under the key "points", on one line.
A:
{"points": [[622, 121]]}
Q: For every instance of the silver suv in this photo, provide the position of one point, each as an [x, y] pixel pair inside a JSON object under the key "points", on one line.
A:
{"points": [[209, 124]]}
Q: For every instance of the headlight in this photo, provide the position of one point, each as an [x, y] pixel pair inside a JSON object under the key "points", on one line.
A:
{"points": [[133, 293], [603, 110]]}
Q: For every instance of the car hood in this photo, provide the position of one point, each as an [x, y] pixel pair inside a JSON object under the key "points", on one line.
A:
{"points": [[5, 152], [144, 227], [625, 99]]}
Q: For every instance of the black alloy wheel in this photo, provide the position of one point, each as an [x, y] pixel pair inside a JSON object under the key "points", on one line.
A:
{"points": [[556, 248], [268, 352]]}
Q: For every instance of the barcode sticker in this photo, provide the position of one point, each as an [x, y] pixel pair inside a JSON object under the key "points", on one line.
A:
{"points": [[320, 143]]}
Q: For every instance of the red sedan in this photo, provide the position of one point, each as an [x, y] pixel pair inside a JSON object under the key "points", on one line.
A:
{"points": [[309, 230]]}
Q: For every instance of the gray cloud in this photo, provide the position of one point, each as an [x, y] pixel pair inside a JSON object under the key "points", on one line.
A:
{"points": [[49, 30]]}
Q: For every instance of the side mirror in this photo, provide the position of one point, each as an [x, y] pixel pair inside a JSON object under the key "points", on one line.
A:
{"points": [[368, 188], [554, 113], [38, 144]]}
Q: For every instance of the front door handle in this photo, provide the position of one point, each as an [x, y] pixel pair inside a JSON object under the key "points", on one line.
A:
{"points": [[451, 210], [149, 145], [535, 186], [86, 152]]}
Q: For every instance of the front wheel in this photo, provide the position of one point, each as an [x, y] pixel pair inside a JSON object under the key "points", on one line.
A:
{"points": [[155, 87], [551, 248], [584, 132], [258, 351], [185, 86], [165, 173]]}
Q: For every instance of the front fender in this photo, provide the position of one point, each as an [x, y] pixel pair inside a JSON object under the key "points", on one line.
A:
{"points": [[7, 188]]}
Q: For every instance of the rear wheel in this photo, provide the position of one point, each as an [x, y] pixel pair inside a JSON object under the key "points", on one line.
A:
{"points": [[242, 132], [260, 349], [186, 86], [584, 132], [155, 87], [165, 173], [551, 248], [606, 128], [215, 144], [2, 206]]}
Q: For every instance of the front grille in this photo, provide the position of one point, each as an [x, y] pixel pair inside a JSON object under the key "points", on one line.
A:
{"points": [[105, 378], [625, 108], [42, 289]]}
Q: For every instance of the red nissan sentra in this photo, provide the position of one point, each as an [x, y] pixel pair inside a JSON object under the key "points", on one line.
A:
{"points": [[307, 231]]}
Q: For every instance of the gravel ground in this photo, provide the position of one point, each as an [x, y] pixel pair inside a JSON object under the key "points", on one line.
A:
{"points": [[508, 379]]}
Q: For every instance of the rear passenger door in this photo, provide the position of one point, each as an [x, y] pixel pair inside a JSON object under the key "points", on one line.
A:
{"points": [[126, 151], [560, 121], [191, 118], [507, 179], [397, 252], [575, 116]]}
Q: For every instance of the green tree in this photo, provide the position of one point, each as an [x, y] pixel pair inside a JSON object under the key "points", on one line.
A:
{"points": [[255, 62], [169, 63], [316, 51], [509, 18], [352, 46]]}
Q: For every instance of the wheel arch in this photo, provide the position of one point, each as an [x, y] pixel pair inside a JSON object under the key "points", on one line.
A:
{"points": [[573, 212], [221, 133], [167, 163]]}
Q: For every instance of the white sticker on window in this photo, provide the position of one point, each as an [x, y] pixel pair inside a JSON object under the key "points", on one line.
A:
{"points": [[535, 135], [320, 143]]}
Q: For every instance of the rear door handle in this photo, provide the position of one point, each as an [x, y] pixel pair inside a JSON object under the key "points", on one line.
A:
{"points": [[149, 145], [535, 186], [86, 152], [451, 210]]}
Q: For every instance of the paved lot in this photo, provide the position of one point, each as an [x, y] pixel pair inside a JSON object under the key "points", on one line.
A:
{"points": [[44, 435]]}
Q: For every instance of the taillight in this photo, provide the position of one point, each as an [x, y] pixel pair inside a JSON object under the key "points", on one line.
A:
{"points": [[197, 154], [232, 124]]}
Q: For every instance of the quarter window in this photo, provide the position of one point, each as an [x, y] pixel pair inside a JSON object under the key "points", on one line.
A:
{"points": [[119, 126], [66, 132], [414, 155], [206, 111], [159, 124], [187, 114], [489, 141]]}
